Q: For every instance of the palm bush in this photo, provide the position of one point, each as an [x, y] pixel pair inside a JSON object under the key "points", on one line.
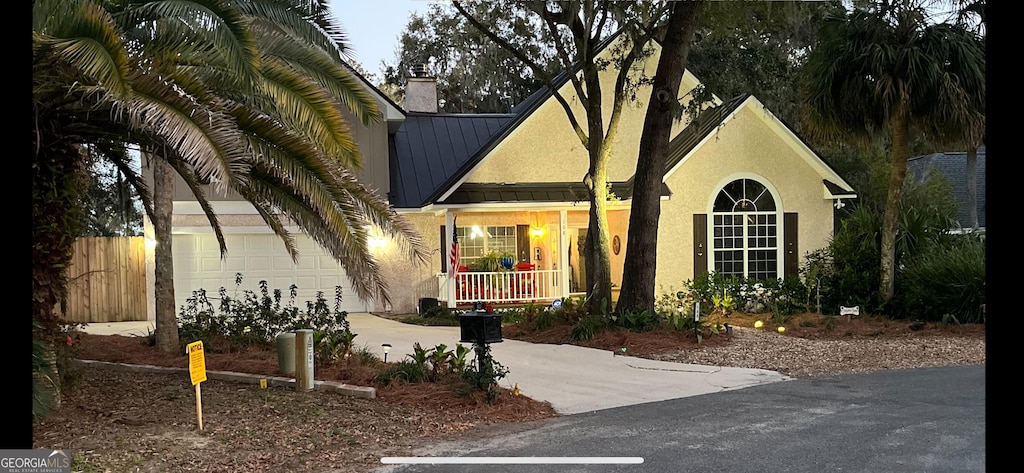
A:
{"points": [[945, 283]]}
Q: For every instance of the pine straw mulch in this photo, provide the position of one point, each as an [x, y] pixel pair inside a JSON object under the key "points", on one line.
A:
{"points": [[810, 326], [119, 420]]}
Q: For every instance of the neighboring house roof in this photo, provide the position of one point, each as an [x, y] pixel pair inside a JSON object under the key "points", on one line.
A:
{"points": [[430, 148], [953, 166]]}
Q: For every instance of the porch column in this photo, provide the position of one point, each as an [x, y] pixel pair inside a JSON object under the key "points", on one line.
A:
{"points": [[446, 252], [563, 253]]}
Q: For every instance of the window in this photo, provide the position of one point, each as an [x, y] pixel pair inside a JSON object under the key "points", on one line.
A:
{"points": [[745, 231], [477, 241]]}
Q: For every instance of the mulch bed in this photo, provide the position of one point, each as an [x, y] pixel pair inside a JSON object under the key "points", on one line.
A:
{"points": [[452, 396]]}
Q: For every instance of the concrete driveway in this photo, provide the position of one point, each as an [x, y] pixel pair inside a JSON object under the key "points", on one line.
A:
{"points": [[573, 379]]}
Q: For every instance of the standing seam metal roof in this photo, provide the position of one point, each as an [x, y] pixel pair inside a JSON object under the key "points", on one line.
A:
{"points": [[430, 148]]}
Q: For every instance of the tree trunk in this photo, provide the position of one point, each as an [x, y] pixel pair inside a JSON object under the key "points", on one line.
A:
{"points": [[972, 187], [163, 280], [640, 267], [597, 249], [57, 183], [899, 128]]}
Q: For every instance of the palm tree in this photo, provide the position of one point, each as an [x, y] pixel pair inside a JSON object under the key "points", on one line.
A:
{"points": [[245, 95], [885, 68]]}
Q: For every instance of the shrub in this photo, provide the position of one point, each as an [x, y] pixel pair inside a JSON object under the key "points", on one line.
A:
{"points": [[444, 317], [853, 256], [365, 356], [437, 311], [946, 283], [249, 319], [636, 321], [587, 327], [406, 371], [572, 311], [513, 316], [485, 372], [545, 320]]}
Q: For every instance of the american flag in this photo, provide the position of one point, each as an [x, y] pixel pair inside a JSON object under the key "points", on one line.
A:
{"points": [[454, 253]]}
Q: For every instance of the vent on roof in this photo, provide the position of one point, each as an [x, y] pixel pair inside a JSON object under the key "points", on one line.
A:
{"points": [[419, 70]]}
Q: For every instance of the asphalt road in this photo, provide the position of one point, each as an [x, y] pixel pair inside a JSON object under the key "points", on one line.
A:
{"points": [[921, 420]]}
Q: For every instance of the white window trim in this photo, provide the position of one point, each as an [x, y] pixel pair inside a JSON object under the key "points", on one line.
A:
{"points": [[779, 222]]}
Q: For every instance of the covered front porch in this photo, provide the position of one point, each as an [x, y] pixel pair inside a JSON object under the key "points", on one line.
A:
{"points": [[507, 256]]}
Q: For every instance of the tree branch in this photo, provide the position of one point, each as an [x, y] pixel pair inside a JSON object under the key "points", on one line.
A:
{"points": [[536, 68]]}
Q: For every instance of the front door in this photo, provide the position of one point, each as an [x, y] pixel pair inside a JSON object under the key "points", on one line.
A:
{"points": [[577, 261]]}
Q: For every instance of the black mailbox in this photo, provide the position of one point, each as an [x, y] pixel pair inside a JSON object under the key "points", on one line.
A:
{"points": [[479, 326]]}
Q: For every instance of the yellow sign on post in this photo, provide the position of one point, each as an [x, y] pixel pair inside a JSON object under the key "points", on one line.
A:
{"points": [[196, 362], [197, 370]]}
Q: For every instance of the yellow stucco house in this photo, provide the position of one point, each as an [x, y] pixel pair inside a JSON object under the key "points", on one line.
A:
{"points": [[742, 195]]}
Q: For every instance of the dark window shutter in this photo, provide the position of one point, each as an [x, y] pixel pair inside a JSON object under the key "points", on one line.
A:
{"points": [[791, 259], [444, 251], [700, 244], [523, 243]]}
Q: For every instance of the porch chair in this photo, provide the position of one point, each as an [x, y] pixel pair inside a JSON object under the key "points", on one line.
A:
{"points": [[525, 281]]}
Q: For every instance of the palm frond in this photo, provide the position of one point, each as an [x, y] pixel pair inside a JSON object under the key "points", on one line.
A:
{"points": [[305, 21], [335, 77], [305, 106], [216, 26], [88, 39], [207, 138], [185, 171]]}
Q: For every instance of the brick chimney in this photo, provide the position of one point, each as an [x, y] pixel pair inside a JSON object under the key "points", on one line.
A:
{"points": [[421, 91]]}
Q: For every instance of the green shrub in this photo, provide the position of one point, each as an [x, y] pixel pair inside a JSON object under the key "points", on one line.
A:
{"points": [[945, 283], [365, 356], [250, 319], [450, 319], [636, 321], [545, 320], [513, 316], [587, 327], [406, 371], [485, 372], [437, 311], [458, 358], [855, 254], [572, 311]]}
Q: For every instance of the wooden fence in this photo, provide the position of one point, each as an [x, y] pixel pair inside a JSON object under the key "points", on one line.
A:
{"points": [[107, 280]]}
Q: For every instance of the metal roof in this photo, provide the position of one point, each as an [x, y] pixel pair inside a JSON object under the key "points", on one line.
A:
{"points": [[430, 148], [953, 166]]}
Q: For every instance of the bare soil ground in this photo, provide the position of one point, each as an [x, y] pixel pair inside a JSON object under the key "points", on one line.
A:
{"points": [[116, 420]]}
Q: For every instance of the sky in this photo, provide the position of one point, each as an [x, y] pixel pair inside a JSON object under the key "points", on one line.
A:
{"points": [[373, 27]]}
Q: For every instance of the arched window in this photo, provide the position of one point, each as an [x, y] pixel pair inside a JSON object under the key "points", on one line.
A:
{"points": [[745, 231]]}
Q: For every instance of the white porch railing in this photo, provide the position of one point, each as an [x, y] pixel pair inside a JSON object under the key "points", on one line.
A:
{"points": [[502, 286]]}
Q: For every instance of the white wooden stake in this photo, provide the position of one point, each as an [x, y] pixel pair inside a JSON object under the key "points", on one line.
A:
{"points": [[199, 405]]}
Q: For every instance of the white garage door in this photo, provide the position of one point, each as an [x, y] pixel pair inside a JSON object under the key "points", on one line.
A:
{"points": [[197, 264]]}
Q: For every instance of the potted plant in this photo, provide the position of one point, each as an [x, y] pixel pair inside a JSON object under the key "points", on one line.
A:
{"points": [[508, 259]]}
